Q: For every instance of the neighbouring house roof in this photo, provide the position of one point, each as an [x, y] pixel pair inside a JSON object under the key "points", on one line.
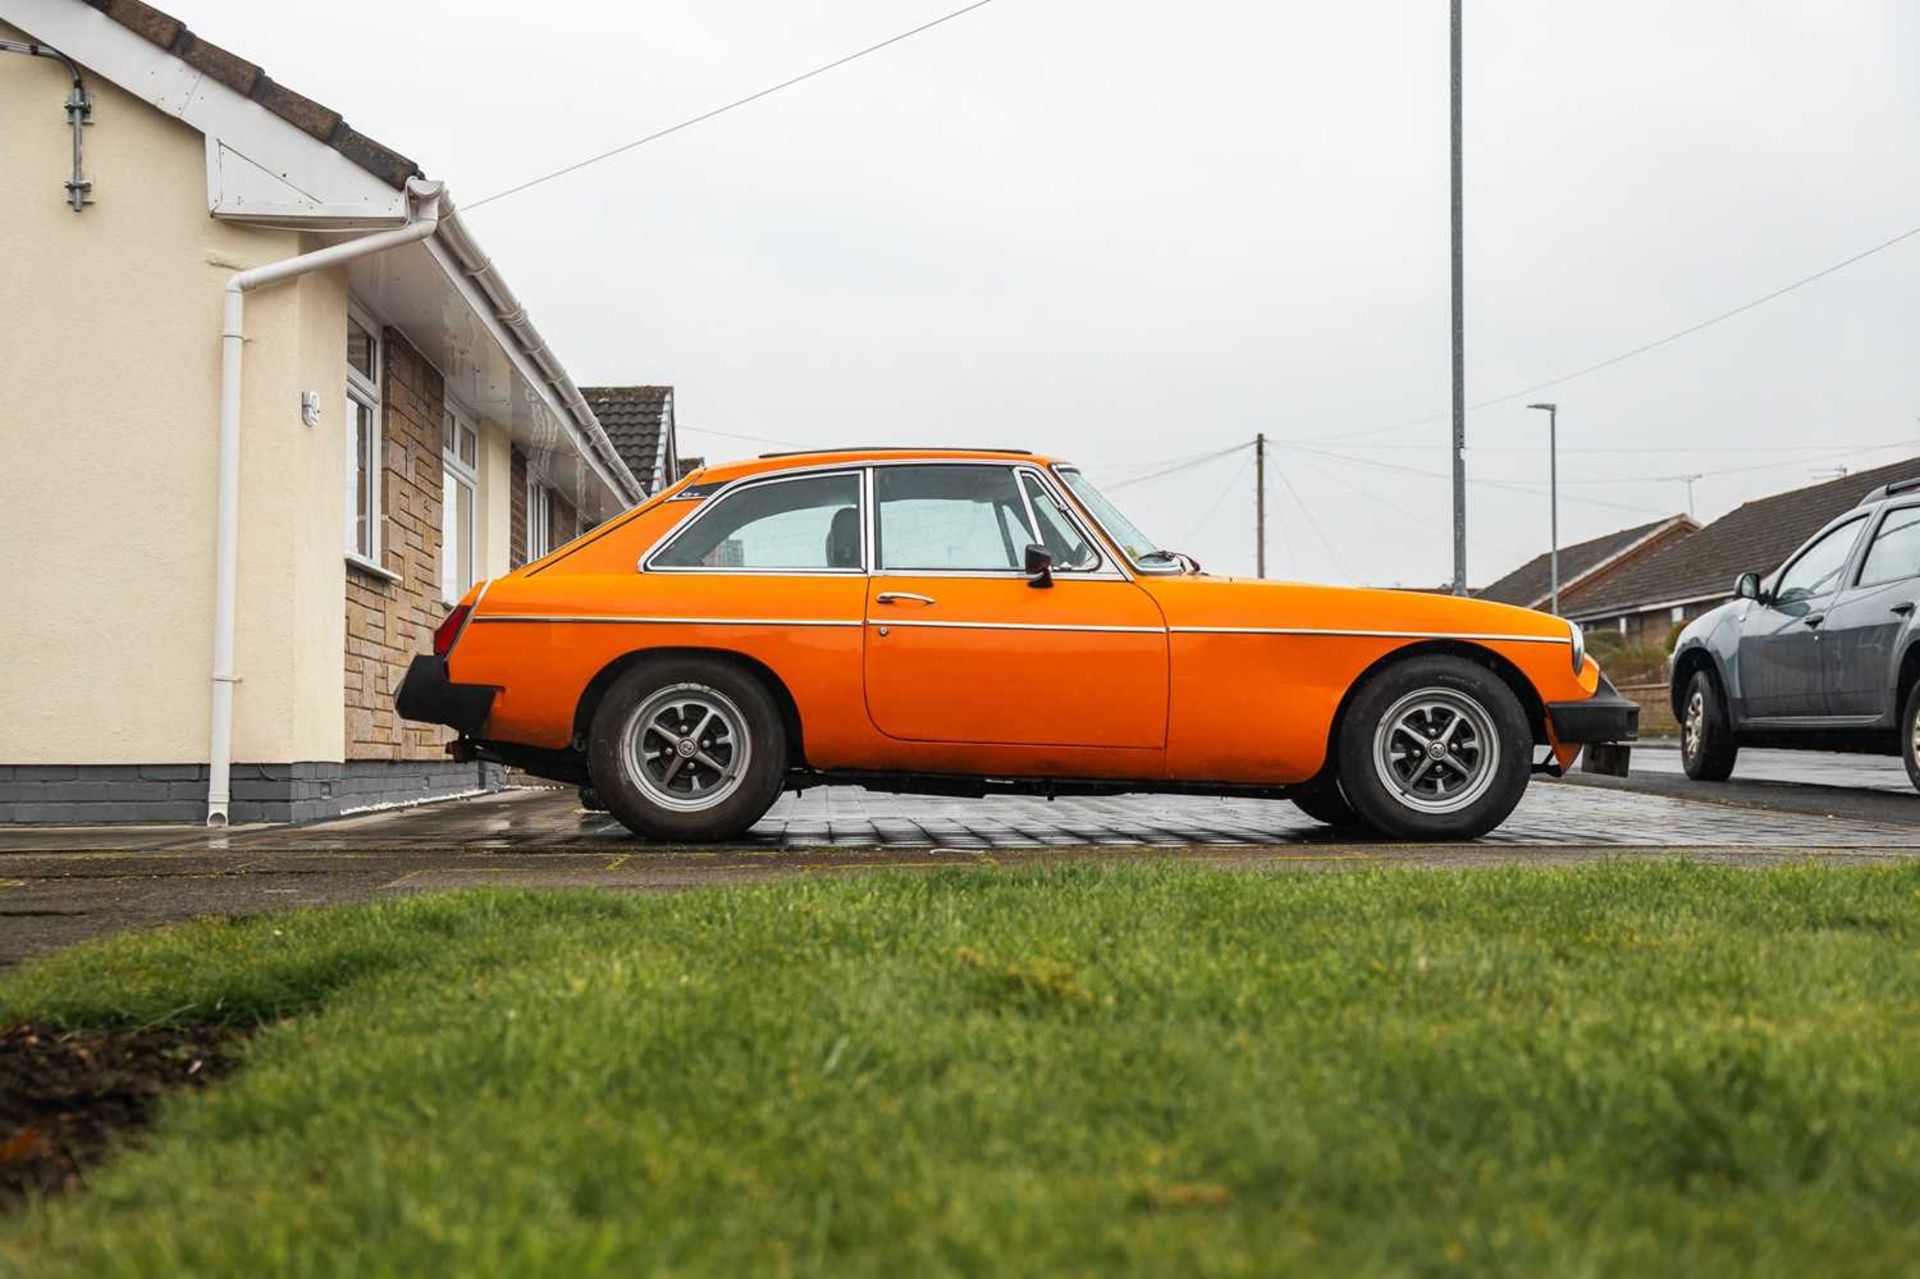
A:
{"points": [[249, 81], [1581, 564], [1756, 537], [639, 421]]}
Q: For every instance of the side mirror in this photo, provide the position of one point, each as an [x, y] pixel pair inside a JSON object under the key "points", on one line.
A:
{"points": [[1747, 586], [1039, 566]]}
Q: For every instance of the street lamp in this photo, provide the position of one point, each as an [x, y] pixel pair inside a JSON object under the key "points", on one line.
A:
{"points": [[1553, 497]]}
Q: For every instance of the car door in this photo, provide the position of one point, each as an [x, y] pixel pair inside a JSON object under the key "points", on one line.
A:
{"points": [[1781, 675], [962, 647], [1861, 638]]}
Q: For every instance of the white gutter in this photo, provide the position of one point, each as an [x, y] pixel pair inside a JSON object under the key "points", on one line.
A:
{"points": [[507, 311], [423, 219]]}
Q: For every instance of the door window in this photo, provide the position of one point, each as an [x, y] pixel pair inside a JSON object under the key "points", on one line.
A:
{"points": [[811, 523], [950, 518], [1818, 569], [1070, 550], [1895, 552]]}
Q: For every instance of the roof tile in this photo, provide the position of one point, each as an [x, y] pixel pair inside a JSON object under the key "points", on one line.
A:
{"points": [[1532, 582], [634, 417], [143, 20], [229, 69], [1756, 537], [248, 79], [296, 109]]}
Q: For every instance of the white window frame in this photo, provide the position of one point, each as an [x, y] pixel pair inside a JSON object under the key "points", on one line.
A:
{"points": [[539, 519], [364, 392], [457, 425]]}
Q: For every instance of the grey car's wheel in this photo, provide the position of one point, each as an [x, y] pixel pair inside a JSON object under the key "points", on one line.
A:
{"points": [[1435, 748], [688, 749], [1910, 734], [1326, 805], [1707, 745]]}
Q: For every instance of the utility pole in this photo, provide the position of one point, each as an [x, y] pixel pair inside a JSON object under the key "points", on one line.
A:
{"points": [[1260, 505], [1459, 338]]}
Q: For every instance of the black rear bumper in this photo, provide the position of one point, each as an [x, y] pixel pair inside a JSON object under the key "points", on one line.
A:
{"points": [[1604, 717], [429, 696]]}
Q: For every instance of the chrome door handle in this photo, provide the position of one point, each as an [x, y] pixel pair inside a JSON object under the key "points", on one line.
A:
{"points": [[897, 597]]}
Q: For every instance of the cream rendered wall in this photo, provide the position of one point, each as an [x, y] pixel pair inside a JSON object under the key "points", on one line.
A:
{"points": [[496, 502], [111, 334]]}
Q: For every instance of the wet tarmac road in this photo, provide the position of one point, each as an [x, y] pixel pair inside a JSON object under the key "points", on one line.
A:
{"points": [[59, 886]]}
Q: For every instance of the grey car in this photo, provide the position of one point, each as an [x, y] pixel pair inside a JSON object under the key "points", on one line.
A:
{"points": [[1823, 654]]}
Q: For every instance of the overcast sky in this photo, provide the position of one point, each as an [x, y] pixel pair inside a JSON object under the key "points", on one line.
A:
{"points": [[1127, 232]]}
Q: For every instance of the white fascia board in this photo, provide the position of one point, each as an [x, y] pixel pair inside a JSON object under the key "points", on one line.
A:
{"points": [[663, 460], [521, 363], [259, 167]]}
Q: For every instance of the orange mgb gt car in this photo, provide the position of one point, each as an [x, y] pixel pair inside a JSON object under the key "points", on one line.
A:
{"points": [[979, 621]]}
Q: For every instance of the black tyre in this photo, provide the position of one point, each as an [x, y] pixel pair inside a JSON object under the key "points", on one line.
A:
{"points": [[1707, 745], [687, 750], [1325, 804], [1910, 734], [1435, 748]]}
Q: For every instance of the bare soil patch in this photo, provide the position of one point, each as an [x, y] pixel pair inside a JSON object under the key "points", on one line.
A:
{"points": [[67, 1095]]}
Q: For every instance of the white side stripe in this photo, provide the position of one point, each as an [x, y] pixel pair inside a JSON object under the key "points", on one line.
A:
{"points": [[1303, 630], [1019, 626], [665, 621]]}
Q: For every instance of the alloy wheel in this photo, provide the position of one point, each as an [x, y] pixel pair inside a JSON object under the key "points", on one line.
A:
{"points": [[1695, 724], [1436, 750], [686, 748]]}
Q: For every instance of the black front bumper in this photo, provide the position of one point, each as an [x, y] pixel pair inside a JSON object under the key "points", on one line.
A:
{"points": [[1604, 717], [428, 696]]}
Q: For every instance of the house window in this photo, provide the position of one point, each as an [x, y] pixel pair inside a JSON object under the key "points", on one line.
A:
{"points": [[539, 520], [1679, 613], [460, 473], [363, 438]]}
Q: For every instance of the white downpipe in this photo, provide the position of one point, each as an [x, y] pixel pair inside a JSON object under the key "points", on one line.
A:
{"points": [[423, 209]]}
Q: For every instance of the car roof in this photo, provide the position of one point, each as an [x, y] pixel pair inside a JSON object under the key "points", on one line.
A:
{"points": [[768, 463]]}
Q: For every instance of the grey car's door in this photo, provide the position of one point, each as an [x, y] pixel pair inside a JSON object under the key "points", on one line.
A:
{"points": [[1860, 640], [1781, 676]]}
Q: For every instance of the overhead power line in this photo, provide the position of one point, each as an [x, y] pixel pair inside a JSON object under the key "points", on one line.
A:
{"points": [[1739, 470], [738, 435], [1188, 465], [1640, 350], [704, 116], [1511, 486]]}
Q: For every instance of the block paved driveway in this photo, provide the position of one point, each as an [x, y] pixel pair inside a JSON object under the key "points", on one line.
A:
{"points": [[63, 885]]}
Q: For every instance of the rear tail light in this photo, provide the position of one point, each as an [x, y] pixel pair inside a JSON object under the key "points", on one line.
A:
{"points": [[448, 631]]}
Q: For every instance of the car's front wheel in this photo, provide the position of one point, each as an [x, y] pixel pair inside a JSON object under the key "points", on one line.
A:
{"points": [[1707, 745], [1435, 748], [688, 749]]}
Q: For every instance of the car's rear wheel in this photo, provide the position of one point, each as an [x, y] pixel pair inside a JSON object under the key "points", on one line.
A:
{"points": [[1325, 804], [1910, 734], [1707, 745], [1435, 748], [689, 749]]}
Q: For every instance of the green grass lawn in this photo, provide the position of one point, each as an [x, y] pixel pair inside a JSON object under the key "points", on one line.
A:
{"points": [[1625, 1069]]}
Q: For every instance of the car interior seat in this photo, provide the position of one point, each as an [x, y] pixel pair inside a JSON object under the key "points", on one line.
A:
{"points": [[843, 539]]}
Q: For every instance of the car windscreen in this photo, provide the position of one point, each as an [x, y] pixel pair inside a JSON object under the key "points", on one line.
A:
{"points": [[1136, 545]]}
